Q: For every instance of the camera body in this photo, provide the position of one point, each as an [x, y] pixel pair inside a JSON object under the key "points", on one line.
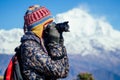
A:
{"points": [[62, 27]]}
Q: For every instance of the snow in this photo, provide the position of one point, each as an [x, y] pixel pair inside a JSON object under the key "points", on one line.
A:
{"points": [[88, 34], [84, 28]]}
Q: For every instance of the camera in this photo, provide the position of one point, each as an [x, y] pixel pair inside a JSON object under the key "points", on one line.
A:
{"points": [[61, 27]]}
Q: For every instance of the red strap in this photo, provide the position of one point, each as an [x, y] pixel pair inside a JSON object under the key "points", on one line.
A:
{"points": [[9, 70]]}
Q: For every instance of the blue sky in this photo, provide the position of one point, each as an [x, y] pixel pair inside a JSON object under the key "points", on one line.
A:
{"points": [[12, 11]]}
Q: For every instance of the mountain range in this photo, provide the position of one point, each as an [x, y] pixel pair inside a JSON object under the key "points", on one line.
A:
{"points": [[101, 69], [93, 45]]}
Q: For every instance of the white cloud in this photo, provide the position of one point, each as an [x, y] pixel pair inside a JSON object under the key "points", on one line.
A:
{"points": [[86, 34]]}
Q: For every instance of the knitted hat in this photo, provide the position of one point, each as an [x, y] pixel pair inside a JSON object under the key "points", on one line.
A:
{"points": [[36, 15]]}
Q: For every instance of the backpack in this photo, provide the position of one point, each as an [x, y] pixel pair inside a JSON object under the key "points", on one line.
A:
{"points": [[13, 70]]}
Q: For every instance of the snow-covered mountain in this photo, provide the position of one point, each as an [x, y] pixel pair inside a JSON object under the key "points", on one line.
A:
{"points": [[89, 34]]}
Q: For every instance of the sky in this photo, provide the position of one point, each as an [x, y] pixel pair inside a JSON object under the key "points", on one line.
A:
{"points": [[12, 11]]}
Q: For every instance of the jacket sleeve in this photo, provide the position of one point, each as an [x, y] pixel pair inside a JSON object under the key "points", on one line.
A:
{"points": [[58, 52], [35, 58]]}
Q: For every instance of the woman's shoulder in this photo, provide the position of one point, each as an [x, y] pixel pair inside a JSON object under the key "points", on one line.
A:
{"points": [[30, 37]]}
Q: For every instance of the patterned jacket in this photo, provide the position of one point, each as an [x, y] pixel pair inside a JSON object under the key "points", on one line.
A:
{"points": [[38, 63]]}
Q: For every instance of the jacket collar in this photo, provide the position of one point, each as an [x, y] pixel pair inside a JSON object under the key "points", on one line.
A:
{"points": [[30, 36]]}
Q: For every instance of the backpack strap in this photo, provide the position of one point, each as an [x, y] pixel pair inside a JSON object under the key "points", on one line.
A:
{"points": [[9, 70], [13, 71]]}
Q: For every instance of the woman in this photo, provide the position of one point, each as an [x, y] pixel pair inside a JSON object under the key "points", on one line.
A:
{"points": [[42, 57]]}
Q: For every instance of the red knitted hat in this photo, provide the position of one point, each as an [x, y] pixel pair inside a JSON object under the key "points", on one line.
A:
{"points": [[36, 15]]}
